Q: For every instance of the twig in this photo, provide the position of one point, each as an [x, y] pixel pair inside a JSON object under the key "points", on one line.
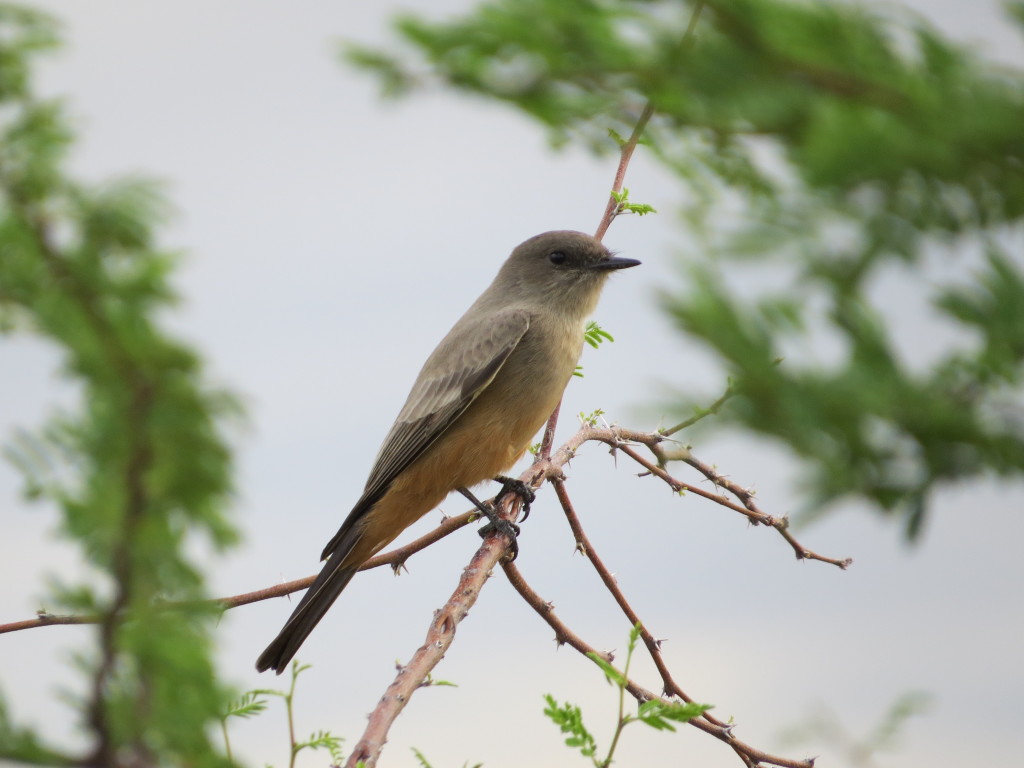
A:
{"points": [[613, 207], [619, 438], [626, 153], [711, 410], [395, 558], [780, 524]]}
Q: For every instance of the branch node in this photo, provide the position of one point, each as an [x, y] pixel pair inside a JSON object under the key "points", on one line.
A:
{"points": [[554, 473]]}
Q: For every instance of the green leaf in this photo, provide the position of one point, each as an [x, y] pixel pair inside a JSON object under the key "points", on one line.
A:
{"points": [[247, 705], [661, 715], [569, 719], [611, 673]]}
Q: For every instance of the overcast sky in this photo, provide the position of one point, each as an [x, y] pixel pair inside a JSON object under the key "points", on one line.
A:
{"points": [[330, 241]]}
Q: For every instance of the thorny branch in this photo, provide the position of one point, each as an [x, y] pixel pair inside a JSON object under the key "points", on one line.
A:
{"points": [[442, 629], [395, 558]]}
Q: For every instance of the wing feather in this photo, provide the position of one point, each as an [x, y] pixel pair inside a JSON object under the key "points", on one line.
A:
{"points": [[461, 367]]}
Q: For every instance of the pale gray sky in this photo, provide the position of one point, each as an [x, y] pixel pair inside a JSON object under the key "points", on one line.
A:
{"points": [[322, 229]]}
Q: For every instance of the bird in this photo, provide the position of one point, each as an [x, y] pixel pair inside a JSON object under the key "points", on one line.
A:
{"points": [[479, 399]]}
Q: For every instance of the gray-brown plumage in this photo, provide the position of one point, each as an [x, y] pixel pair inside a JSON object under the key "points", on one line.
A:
{"points": [[480, 398]]}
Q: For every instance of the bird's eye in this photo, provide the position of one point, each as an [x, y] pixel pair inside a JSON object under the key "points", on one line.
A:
{"points": [[557, 257]]}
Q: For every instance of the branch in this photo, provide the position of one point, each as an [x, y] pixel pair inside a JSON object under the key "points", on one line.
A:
{"points": [[395, 558], [781, 524], [440, 635], [618, 438], [613, 207]]}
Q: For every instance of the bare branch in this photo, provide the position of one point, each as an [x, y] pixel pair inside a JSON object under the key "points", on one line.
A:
{"points": [[620, 439], [440, 636], [395, 558]]}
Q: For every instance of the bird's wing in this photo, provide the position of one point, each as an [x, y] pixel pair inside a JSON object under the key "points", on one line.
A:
{"points": [[437, 399]]}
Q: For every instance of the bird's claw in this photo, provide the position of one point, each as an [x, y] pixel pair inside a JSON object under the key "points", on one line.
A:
{"points": [[505, 528], [520, 489]]}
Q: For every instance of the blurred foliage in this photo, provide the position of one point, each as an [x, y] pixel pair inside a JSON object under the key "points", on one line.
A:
{"points": [[823, 149], [822, 727], [140, 465]]}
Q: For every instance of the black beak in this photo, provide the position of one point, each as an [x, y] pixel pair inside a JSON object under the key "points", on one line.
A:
{"points": [[614, 262]]}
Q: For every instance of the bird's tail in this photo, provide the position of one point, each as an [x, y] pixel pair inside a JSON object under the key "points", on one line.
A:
{"points": [[325, 589]]}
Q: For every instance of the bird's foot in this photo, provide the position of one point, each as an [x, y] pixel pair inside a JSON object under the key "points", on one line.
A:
{"points": [[505, 528], [496, 525], [520, 489]]}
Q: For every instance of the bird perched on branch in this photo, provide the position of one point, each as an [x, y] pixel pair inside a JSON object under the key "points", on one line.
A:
{"points": [[482, 395]]}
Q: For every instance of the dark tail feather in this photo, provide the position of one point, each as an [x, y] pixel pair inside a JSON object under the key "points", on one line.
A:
{"points": [[318, 599]]}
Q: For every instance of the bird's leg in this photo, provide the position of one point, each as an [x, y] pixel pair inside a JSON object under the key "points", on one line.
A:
{"points": [[520, 489], [497, 524]]}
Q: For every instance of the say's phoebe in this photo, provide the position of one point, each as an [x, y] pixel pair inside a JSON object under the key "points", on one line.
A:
{"points": [[482, 395]]}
